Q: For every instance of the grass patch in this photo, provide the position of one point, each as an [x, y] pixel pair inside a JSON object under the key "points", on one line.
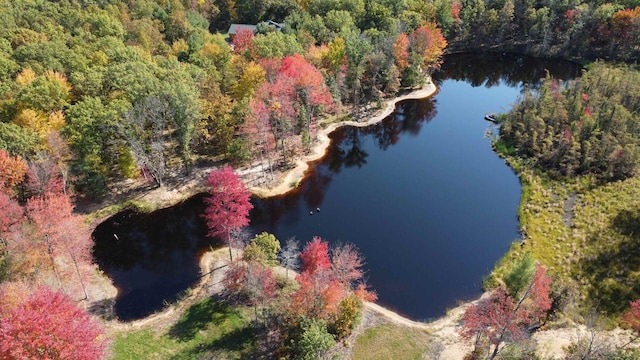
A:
{"points": [[391, 342], [339, 118], [209, 329], [111, 210], [592, 246]]}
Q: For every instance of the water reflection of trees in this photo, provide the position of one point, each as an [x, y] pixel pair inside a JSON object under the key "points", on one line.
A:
{"points": [[150, 241], [347, 150], [172, 232], [492, 69]]}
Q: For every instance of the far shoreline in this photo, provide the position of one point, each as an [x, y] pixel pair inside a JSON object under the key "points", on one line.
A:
{"points": [[133, 192], [296, 175]]}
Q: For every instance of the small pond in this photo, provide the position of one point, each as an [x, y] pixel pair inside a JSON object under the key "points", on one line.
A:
{"points": [[422, 195]]}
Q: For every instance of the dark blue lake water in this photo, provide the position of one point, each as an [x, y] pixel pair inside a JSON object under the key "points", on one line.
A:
{"points": [[428, 203]]}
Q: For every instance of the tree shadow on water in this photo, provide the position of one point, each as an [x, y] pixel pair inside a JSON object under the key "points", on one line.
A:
{"points": [[614, 273], [103, 308]]}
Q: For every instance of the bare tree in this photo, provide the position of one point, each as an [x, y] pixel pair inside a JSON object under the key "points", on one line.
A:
{"points": [[591, 342], [43, 174], [239, 238], [290, 255], [143, 131], [435, 347]]}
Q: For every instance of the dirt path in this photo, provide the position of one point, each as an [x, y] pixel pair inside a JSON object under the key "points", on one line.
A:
{"points": [[395, 317]]}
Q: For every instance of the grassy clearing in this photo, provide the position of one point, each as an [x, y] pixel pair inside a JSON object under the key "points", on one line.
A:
{"points": [[108, 211], [590, 246], [391, 342], [209, 329]]}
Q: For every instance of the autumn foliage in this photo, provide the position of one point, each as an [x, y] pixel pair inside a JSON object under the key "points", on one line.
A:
{"points": [[631, 318], [325, 281], [11, 214], [228, 205], [47, 241], [428, 42], [12, 171], [315, 256], [501, 318], [242, 41], [48, 325], [285, 108], [401, 51]]}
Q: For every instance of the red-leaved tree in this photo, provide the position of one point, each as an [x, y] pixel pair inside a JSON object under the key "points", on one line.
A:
{"points": [[324, 282], [228, 204], [501, 319], [49, 325], [242, 41], [60, 234], [278, 98], [401, 51], [316, 281], [428, 42], [312, 93], [315, 256], [631, 319], [11, 214]]}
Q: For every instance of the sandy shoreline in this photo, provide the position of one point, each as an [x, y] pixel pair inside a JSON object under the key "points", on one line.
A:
{"points": [[176, 191], [550, 343], [180, 188], [295, 175]]}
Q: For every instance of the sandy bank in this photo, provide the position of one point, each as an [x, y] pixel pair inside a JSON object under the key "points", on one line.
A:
{"points": [[295, 175]]}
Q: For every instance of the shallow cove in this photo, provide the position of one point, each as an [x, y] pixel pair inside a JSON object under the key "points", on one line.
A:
{"points": [[422, 195]]}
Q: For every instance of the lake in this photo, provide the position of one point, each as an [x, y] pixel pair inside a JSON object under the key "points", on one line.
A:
{"points": [[422, 195]]}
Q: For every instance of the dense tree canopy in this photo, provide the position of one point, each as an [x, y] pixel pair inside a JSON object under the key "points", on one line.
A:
{"points": [[587, 126], [49, 325], [94, 92], [80, 69]]}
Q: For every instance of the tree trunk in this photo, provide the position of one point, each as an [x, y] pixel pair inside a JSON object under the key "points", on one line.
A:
{"points": [[284, 152], [53, 262], [84, 289], [229, 242]]}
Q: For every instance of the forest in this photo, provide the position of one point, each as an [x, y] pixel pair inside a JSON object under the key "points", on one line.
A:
{"points": [[94, 92], [587, 126], [89, 73]]}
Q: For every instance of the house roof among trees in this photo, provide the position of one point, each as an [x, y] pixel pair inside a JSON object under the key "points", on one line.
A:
{"points": [[234, 28]]}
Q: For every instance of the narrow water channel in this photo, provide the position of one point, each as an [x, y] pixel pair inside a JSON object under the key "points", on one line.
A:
{"points": [[421, 194]]}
